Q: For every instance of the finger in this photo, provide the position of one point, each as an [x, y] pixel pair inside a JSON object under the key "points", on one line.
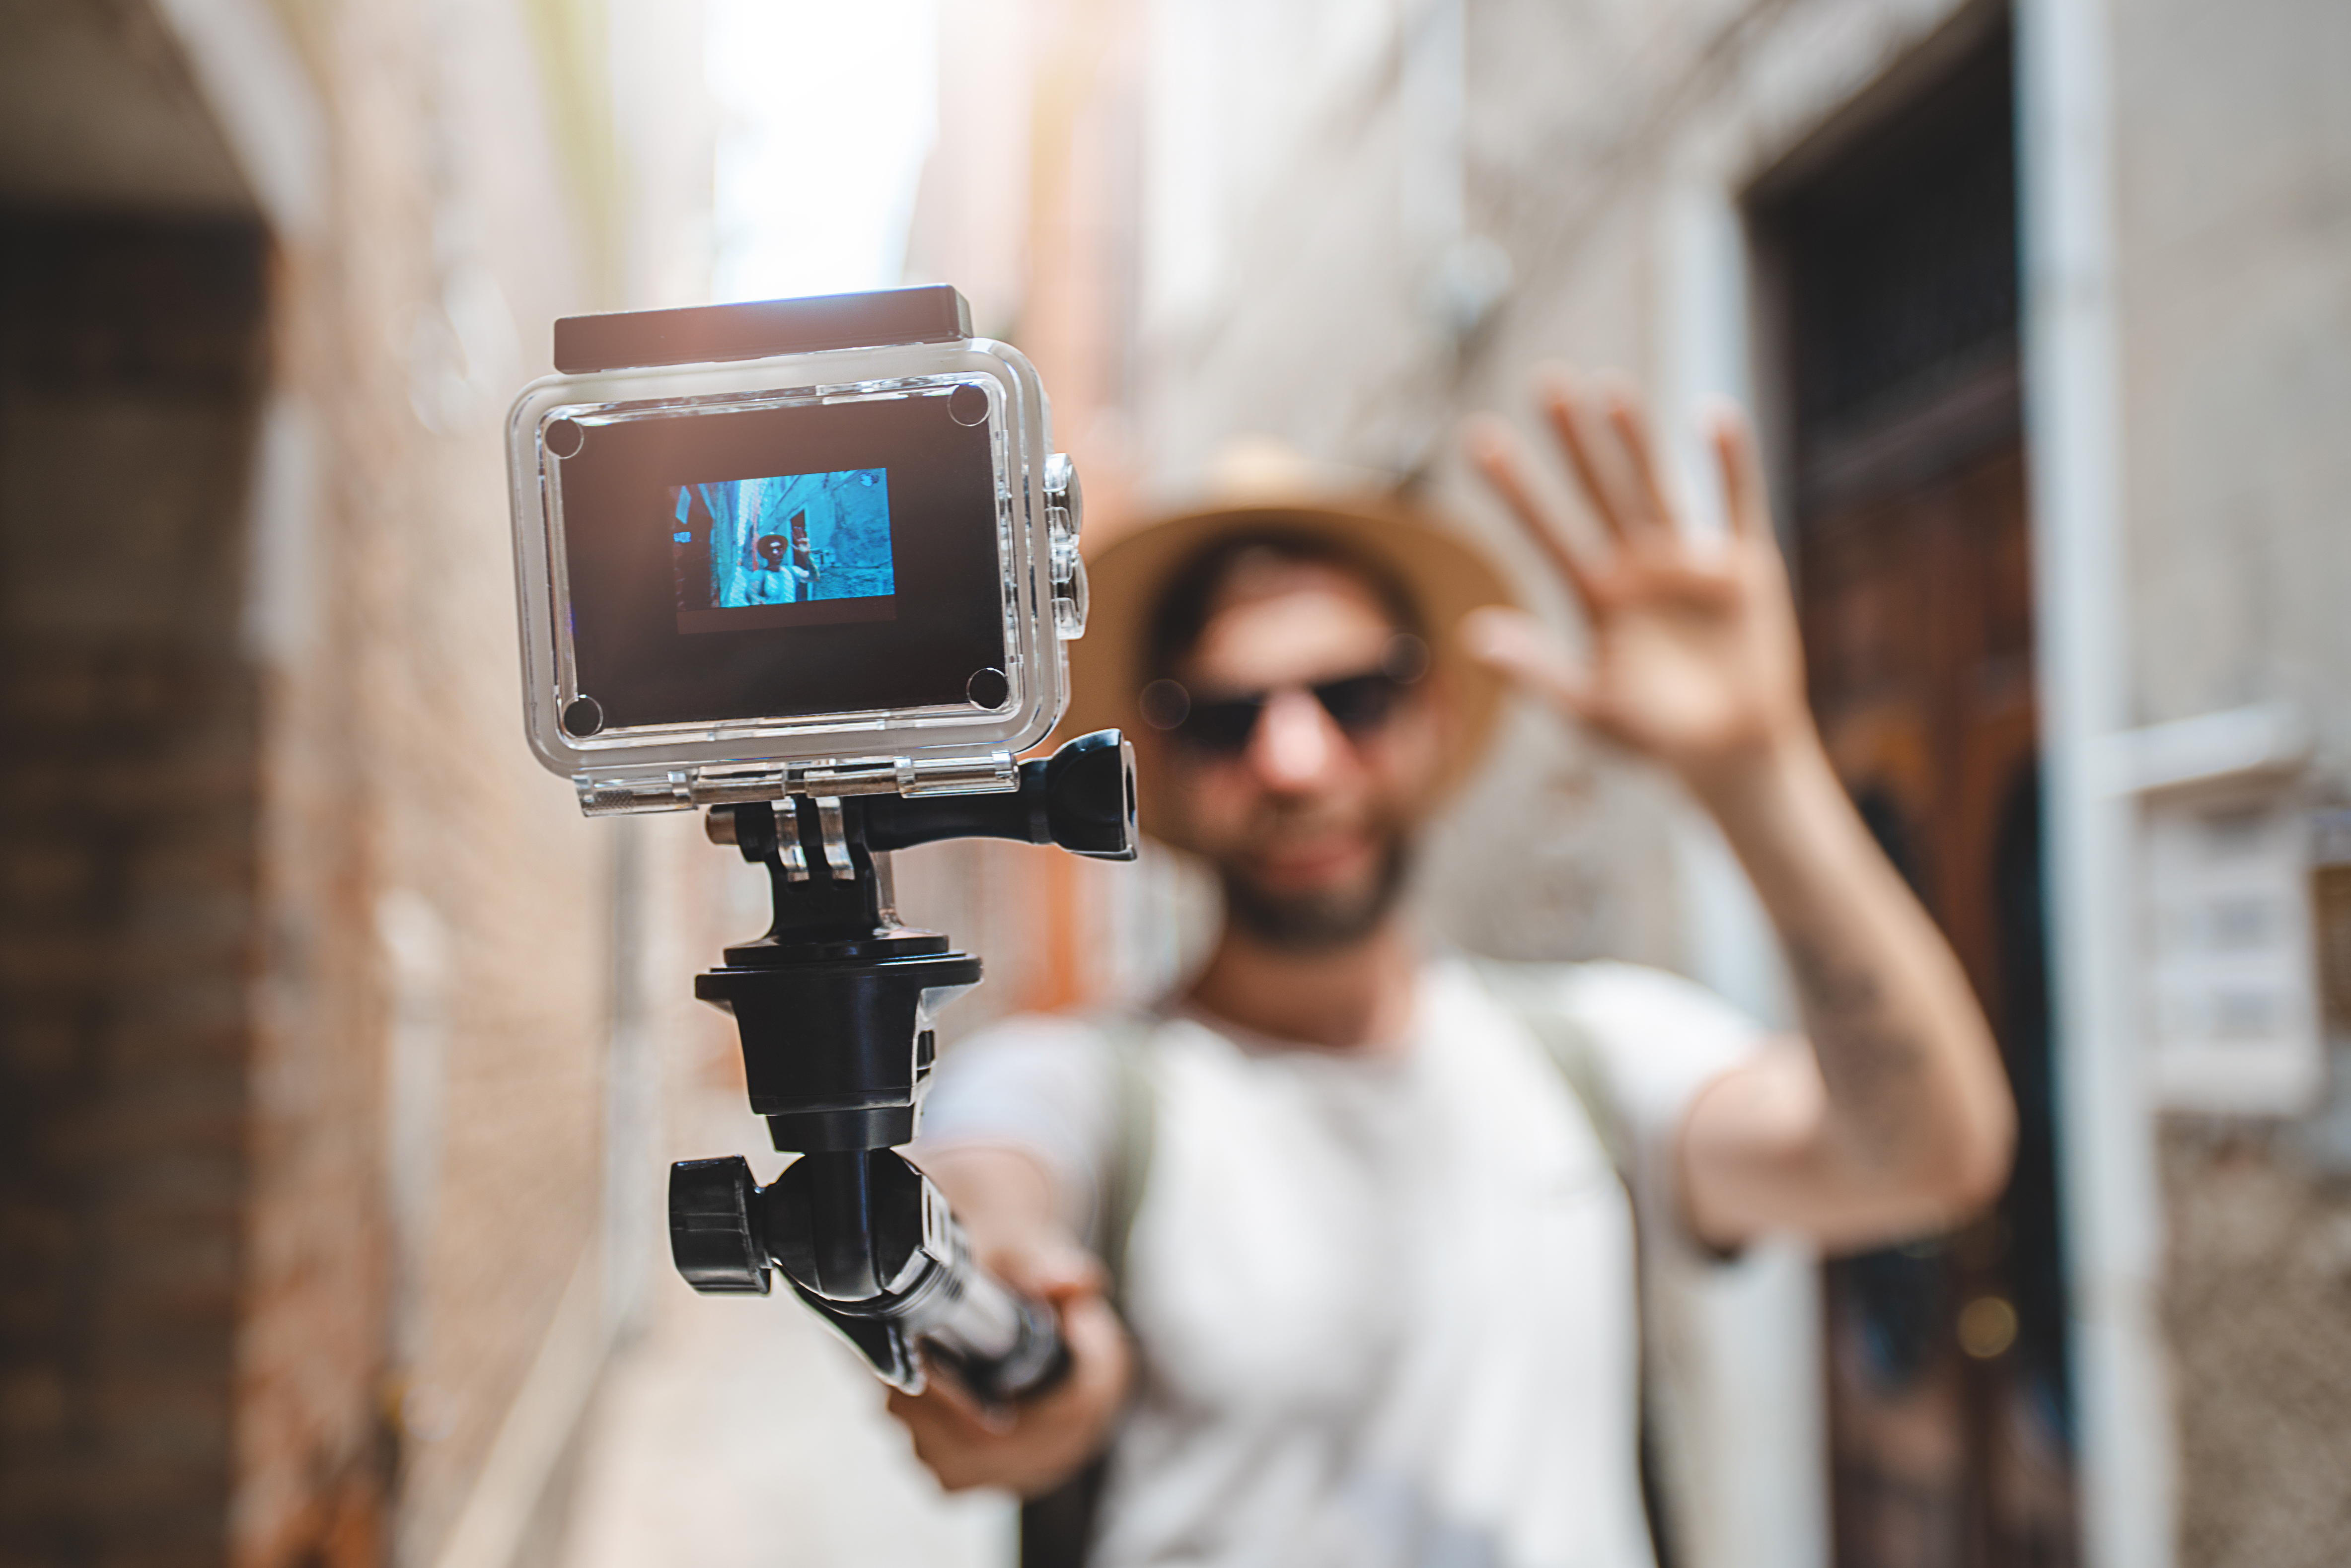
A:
{"points": [[1565, 406], [923, 1413], [1632, 428], [1056, 1430], [1099, 1355], [953, 1452], [1498, 456], [1743, 496], [962, 1411], [1528, 655], [943, 1416], [1047, 1270]]}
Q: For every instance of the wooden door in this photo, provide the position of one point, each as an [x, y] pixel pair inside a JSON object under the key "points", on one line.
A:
{"points": [[1893, 247], [1950, 1420]]}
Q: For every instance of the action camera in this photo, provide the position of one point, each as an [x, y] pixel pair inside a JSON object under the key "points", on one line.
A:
{"points": [[812, 546]]}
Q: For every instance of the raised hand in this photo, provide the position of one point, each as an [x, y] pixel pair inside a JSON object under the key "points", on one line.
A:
{"points": [[1694, 656], [1896, 1119]]}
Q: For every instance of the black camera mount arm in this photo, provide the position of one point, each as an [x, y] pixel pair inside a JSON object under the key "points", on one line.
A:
{"points": [[834, 1008]]}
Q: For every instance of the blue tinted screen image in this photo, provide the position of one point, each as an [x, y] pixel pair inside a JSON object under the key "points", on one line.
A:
{"points": [[785, 548]]}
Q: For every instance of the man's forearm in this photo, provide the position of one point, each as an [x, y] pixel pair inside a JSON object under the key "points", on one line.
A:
{"points": [[1915, 1091]]}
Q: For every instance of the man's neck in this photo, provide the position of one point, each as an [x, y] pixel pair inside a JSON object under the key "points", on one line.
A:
{"points": [[1342, 999]]}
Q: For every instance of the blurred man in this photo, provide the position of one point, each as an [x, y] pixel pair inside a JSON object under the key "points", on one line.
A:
{"points": [[1365, 1204]]}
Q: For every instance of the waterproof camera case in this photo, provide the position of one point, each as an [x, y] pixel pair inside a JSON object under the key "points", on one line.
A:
{"points": [[798, 546]]}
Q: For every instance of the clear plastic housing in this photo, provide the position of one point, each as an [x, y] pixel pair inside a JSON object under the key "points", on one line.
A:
{"points": [[940, 746]]}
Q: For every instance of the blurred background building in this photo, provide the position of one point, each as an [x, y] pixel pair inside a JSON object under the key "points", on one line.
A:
{"points": [[323, 1029], [339, 1059]]}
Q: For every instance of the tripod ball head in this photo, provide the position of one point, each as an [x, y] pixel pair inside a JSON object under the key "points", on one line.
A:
{"points": [[866, 1240]]}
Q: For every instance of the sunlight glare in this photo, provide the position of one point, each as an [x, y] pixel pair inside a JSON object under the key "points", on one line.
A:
{"points": [[826, 113]]}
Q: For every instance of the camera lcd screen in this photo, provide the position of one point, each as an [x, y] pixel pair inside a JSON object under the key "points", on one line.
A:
{"points": [[785, 549], [784, 562]]}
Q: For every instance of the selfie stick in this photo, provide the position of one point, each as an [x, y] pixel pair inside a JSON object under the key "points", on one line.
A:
{"points": [[833, 1005]]}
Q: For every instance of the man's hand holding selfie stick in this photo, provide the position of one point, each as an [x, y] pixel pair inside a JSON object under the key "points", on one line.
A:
{"points": [[1893, 1116]]}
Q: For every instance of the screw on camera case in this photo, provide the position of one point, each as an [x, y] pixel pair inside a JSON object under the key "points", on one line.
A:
{"points": [[818, 547]]}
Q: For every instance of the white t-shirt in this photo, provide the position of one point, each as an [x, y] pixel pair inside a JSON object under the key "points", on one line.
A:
{"points": [[1385, 1299]]}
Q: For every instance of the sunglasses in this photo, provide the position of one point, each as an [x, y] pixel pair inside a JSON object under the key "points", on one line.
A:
{"points": [[1360, 705]]}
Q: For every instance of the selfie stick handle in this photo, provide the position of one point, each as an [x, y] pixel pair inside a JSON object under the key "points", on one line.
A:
{"points": [[833, 1006], [867, 1242]]}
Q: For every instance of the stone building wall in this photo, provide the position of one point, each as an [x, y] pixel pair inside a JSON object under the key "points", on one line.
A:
{"points": [[474, 902], [1314, 271], [2234, 210], [317, 1032]]}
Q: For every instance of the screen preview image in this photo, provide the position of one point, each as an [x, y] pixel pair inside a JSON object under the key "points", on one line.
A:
{"points": [[784, 551]]}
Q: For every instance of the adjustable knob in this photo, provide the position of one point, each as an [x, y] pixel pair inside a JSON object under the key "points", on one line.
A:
{"points": [[714, 1230], [1089, 795], [1081, 798]]}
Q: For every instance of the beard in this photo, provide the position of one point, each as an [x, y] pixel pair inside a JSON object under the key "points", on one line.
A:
{"points": [[1322, 920]]}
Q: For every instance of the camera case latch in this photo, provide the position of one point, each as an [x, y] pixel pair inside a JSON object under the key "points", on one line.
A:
{"points": [[1065, 511]]}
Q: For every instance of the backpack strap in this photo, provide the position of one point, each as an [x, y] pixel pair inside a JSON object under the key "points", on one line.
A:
{"points": [[1524, 995], [1529, 995], [1127, 1040], [1057, 1529]]}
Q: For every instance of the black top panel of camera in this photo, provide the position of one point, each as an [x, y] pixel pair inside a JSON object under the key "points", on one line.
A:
{"points": [[755, 329]]}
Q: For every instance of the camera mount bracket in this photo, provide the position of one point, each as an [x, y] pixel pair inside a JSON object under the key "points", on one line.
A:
{"points": [[834, 1005], [727, 785]]}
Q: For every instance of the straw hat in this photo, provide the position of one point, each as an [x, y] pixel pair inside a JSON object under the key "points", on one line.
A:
{"points": [[1258, 486]]}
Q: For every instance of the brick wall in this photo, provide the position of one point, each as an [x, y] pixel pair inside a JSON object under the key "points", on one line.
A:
{"points": [[131, 356], [307, 969], [429, 1111]]}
